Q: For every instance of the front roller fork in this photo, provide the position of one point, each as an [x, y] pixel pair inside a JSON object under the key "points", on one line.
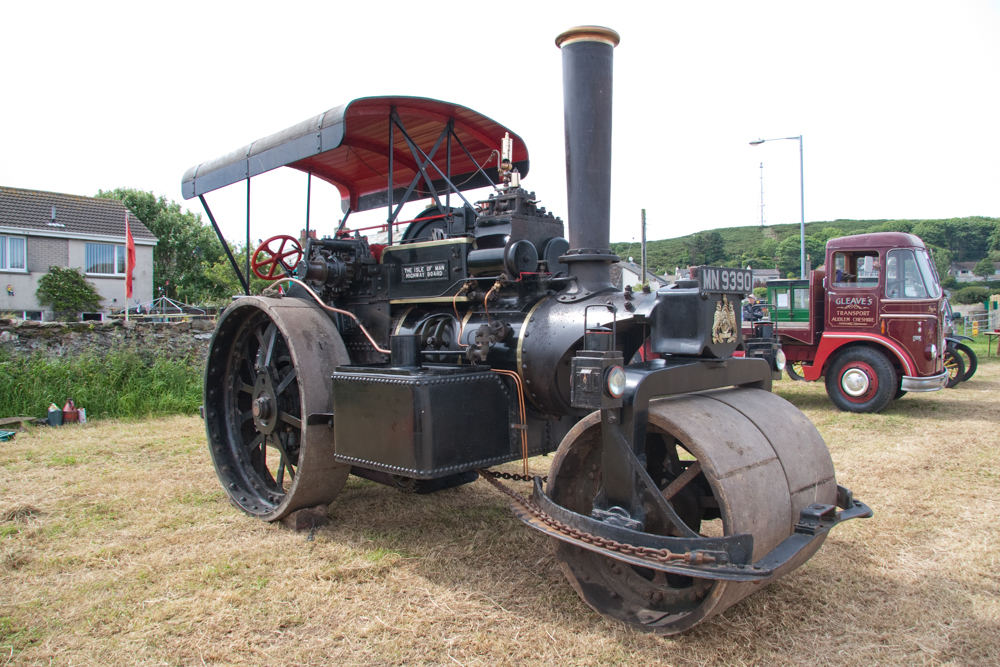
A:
{"points": [[665, 512]]}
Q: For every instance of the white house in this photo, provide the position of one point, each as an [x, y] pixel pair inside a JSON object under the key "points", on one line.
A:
{"points": [[629, 273], [962, 272], [42, 229]]}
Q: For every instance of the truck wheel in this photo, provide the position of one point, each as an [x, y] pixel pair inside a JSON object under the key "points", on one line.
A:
{"points": [[861, 379], [956, 368], [969, 357]]}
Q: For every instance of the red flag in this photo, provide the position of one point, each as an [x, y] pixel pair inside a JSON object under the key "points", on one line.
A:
{"points": [[129, 258]]}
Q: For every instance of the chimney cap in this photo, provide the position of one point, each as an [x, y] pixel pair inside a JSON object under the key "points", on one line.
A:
{"points": [[588, 33]]}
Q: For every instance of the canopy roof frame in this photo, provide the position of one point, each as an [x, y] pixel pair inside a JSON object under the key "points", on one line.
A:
{"points": [[328, 146]]}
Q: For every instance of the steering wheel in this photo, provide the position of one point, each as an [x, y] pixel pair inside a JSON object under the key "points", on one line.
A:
{"points": [[276, 258]]}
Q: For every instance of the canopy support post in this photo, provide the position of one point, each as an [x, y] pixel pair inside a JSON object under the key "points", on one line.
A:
{"points": [[447, 194], [225, 246], [247, 284], [309, 185], [392, 150]]}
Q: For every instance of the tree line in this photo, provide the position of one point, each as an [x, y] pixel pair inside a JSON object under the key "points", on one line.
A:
{"points": [[971, 239], [189, 263]]}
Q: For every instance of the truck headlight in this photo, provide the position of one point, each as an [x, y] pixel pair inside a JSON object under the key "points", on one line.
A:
{"points": [[779, 360], [615, 381]]}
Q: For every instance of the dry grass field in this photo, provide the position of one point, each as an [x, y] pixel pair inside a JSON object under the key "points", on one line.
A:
{"points": [[117, 547]]}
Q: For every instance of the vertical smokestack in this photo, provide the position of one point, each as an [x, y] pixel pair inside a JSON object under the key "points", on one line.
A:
{"points": [[587, 55]]}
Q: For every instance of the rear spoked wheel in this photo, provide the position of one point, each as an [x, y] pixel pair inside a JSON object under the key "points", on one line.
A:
{"points": [[955, 366], [761, 462], [268, 363], [794, 370], [969, 358]]}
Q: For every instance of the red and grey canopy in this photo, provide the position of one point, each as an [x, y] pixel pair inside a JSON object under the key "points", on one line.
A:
{"points": [[348, 146]]}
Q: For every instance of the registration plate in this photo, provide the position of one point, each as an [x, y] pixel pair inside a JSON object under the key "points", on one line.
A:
{"points": [[721, 279]]}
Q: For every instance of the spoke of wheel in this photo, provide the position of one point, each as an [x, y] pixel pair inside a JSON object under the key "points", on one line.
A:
{"points": [[250, 370], [287, 381], [672, 457], [244, 416], [276, 443], [253, 444], [289, 419], [268, 350], [682, 480], [247, 388], [281, 475]]}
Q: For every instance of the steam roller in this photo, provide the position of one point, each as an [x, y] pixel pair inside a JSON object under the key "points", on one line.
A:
{"points": [[481, 333]]}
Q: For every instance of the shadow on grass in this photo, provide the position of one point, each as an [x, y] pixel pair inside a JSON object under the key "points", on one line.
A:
{"points": [[469, 543]]}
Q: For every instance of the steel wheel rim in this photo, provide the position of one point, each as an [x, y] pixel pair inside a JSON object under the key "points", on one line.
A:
{"points": [[268, 438], [858, 382], [780, 450], [655, 593], [274, 462]]}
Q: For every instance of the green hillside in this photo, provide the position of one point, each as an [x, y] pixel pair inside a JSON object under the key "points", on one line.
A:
{"points": [[777, 246]]}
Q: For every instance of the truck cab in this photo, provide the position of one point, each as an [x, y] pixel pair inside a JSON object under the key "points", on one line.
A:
{"points": [[870, 321]]}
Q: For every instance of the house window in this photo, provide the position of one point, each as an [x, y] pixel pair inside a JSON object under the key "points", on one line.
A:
{"points": [[91, 317], [12, 253], [104, 258], [33, 315]]}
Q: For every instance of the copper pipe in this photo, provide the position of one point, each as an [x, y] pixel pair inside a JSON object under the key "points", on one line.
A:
{"points": [[339, 311], [454, 305], [524, 419]]}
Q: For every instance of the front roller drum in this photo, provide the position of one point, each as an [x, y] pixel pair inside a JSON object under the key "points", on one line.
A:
{"points": [[762, 462], [269, 406]]}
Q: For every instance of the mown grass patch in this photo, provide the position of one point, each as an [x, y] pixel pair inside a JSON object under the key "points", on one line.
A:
{"points": [[133, 556]]}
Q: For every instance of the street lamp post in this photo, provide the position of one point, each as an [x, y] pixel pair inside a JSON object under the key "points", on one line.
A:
{"points": [[802, 202]]}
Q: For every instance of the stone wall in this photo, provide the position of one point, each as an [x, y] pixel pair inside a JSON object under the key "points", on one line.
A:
{"points": [[174, 340]]}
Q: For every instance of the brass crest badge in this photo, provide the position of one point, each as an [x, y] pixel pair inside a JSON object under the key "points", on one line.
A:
{"points": [[724, 322]]}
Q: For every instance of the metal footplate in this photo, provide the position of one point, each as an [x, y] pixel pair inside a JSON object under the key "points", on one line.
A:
{"points": [[719, 558]]}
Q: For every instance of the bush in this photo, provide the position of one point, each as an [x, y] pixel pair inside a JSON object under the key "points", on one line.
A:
{"points": [[970, 295], [760, 293], [121, 384], [68, 292]]}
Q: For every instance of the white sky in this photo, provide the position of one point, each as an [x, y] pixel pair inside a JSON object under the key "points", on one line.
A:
{"points": [[898, 102]]}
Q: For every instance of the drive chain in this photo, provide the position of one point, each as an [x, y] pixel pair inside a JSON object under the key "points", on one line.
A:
{"points": [[646, 553]]}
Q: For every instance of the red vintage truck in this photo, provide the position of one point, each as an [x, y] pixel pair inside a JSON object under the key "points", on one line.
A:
{"points": [[870, 320]]}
